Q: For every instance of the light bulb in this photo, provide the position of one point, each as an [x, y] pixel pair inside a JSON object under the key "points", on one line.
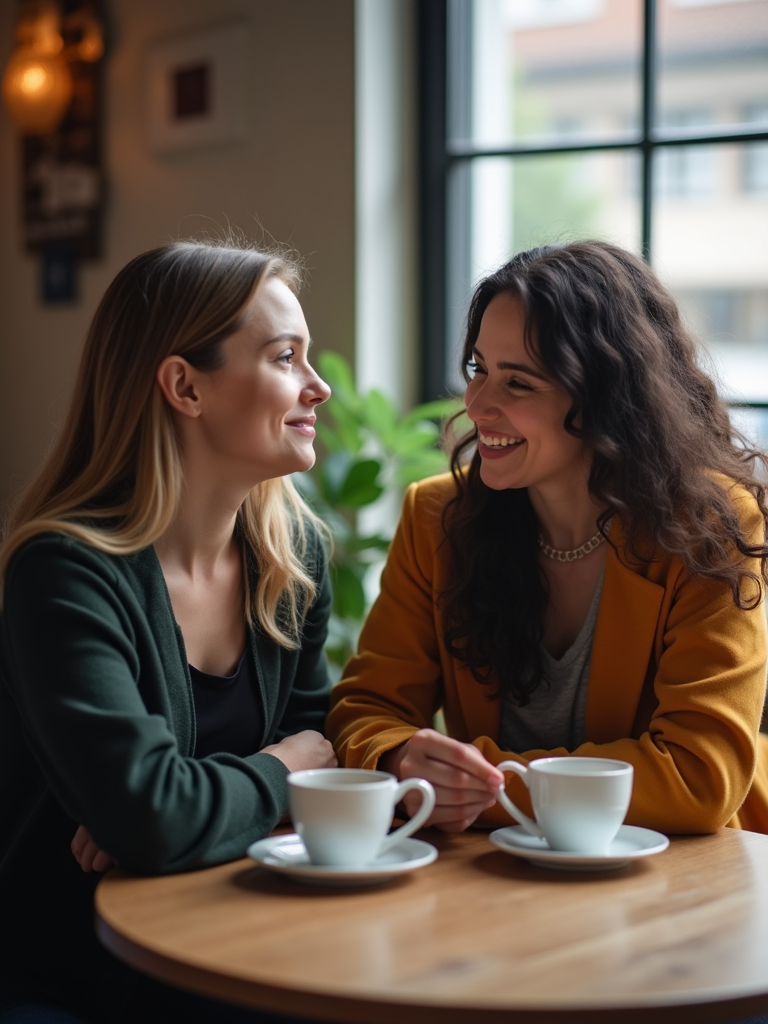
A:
{"points": [[37, 90]]}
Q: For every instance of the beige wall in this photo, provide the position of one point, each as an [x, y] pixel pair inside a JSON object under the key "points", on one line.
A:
{"points": [[293, 177]]}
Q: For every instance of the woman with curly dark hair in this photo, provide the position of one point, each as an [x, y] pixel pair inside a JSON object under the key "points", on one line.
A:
{"points": [[589, 579]]}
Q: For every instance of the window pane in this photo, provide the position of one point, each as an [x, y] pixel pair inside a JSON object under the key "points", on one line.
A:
{"points": [[544, 70], [502, 205], [712, 65], [754, 177], [710, 249], [753, 424]]}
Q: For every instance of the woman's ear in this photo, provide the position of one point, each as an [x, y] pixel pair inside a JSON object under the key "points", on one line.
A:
{"points": [[178, 382]]}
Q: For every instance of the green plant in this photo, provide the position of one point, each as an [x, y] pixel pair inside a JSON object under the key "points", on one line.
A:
{"points": [[368, 450]]}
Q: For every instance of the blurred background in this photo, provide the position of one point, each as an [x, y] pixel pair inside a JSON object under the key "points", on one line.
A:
{"points": [[403, 147]]}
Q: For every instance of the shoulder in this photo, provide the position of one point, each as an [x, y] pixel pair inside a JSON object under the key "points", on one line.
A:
{"points": [[751, 517], [669, 568], [427, 498], [58, 563], [61, 551], [420, 533]]}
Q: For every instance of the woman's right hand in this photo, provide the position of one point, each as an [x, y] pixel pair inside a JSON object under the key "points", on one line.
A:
{"points": [[307, 749], [465, 783]]}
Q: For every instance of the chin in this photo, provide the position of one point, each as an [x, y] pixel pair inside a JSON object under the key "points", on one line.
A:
{"points": [[302, 465], [496, 483]]}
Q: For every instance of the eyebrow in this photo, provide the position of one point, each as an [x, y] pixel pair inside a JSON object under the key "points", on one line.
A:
{"points": [[522, 367], [287, 336]]}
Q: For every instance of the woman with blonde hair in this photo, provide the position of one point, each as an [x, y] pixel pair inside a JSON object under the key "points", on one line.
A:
{"points": [[165, 602], [590, 577]]}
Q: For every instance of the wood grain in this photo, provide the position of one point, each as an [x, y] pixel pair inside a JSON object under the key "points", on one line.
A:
{"points": [[477, 936]]}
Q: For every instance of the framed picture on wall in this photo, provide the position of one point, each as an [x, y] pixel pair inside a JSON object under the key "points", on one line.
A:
{"points": [[196, 89]]}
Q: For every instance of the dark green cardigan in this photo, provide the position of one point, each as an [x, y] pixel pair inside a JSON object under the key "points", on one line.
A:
{"points": [[97, 727]]}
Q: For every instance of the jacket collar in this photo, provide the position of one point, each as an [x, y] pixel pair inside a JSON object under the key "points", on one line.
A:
{"points": [[623, 646]]}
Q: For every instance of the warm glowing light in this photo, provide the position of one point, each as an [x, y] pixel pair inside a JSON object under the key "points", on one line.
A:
{"points": [[33, 79], [91, 47], [37, 83], [37, 91]]}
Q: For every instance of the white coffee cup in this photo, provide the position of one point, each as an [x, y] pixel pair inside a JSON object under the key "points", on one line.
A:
{"points": [[579, 802], [342, 815]]}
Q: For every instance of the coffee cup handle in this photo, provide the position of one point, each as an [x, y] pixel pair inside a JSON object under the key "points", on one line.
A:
{"points": [[512, 810], [414, 823]]}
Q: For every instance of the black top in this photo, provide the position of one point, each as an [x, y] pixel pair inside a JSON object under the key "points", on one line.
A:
{"points": [[228, 710]]}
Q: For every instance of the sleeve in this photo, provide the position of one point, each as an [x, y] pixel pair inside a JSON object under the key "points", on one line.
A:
{"points": [[307, 704], [93, 701], [393, 686]]}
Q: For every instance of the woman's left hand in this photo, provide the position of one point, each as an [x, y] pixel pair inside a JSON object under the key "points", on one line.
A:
{"points": [[87, 854]]}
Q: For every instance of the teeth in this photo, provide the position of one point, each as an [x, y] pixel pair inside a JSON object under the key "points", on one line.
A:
{"points": [[499, 442]]}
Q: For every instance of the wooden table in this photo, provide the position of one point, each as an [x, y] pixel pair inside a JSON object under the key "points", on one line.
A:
{"points": [[478, 936]]}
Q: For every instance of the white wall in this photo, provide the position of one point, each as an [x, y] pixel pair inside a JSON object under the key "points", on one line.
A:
{"points": [[294, 176]]}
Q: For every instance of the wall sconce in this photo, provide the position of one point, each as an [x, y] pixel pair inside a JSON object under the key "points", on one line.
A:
{"points": [[51, 89], [37, 83]]}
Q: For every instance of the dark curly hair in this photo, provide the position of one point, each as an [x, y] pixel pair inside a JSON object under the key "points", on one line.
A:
{"points": [[603, 327]]}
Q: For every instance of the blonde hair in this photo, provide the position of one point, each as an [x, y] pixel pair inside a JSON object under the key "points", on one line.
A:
{"points": [[113, 478]]}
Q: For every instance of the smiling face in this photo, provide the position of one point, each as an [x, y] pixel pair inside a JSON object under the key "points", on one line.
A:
{"points": [[257, 410], [519, 411]]}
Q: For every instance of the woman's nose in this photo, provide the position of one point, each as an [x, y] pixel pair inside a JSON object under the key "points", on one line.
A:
{"points": [[317, 390], [478, 402]]}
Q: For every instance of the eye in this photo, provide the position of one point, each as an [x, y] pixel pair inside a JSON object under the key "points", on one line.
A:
{"points": [[286, 357], [515, 384], [474, 368]]}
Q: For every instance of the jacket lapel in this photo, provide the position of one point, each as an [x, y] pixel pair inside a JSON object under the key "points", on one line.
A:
{"points": [[622, 650]]}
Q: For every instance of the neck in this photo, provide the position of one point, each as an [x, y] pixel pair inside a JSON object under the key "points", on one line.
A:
{"points": [[215, 487], [568, 519], [202, 534]]}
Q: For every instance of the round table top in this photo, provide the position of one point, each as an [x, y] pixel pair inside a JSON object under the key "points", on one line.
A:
{"points": [[477, 935]]}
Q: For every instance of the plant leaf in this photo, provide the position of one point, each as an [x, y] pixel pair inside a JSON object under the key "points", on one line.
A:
{"points": [[346, 429], [416, 438], [348, 592], [337, 372], [361, 486], [381, 416], [333, 474], [441, 409], [417, 467]]}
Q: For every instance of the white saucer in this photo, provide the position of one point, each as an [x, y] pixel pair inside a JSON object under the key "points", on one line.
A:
{"points": [[286, 855], [630, 843]]}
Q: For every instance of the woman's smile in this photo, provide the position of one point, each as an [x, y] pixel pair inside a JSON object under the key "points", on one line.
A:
{"points": [[493, 446], [305, 426]]}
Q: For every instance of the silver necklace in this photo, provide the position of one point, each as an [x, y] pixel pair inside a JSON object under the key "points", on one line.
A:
{"points": [[576, 554]]}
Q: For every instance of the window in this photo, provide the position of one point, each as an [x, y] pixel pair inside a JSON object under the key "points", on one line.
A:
{"points": [[644, 122], [755, 176]]}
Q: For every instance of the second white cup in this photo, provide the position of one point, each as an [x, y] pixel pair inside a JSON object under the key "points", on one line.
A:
{"points": [[342, 815], [579, 802]]}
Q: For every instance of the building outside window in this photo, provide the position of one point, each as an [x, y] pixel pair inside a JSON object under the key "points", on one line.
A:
{"points": [[643, 122]]}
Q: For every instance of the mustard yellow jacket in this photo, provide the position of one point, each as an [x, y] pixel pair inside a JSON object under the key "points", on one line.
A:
{"points": [[676, 687]]}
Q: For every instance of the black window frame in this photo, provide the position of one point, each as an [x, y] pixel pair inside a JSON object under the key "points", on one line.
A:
{"points": [[440, 158]]}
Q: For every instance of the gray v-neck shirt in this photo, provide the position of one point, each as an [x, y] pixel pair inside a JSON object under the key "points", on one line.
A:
{"points": [[555, 715]]}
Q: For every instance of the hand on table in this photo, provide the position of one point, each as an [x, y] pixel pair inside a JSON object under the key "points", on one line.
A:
{"points": [[307, 749], [87, 854], [465, 783]]}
